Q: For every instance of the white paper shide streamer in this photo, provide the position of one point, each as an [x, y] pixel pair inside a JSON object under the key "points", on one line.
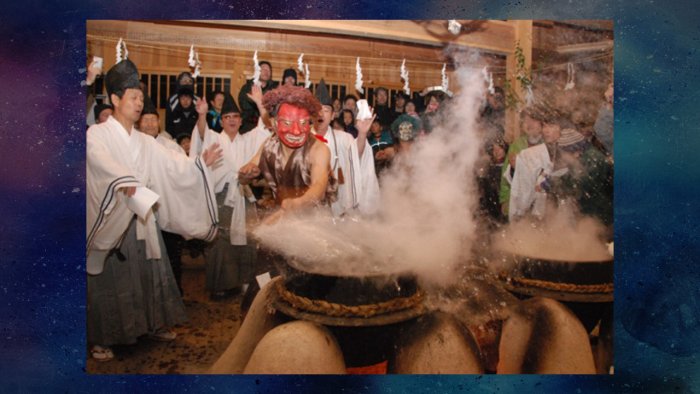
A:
{"points": [[121, 43], [570, 84], [194, 62], [404, 76], [529, 96], [256, 73], [300, 63], [454, 27], [488, 78], [445, 80], [307, 81], [358, 81]]}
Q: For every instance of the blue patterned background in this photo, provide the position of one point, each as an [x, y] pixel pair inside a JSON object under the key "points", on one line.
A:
{"points": [[42, 193]]}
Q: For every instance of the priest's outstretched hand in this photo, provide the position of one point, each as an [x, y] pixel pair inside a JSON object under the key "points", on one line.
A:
{"points": [[212, 154]]}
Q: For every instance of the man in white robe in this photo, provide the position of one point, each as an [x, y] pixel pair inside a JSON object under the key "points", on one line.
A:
{"points": [[352, 161], [534, 164], [124, 169], [237, 150], [231, 261]]}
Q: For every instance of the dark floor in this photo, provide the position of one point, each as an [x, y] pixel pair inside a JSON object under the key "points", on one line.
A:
{"points": [[211, 327]]}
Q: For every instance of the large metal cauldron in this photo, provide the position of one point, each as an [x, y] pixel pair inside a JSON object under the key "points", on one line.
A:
{"points": [[365, 314], [577, 281], [585, 287], [344, 301]]}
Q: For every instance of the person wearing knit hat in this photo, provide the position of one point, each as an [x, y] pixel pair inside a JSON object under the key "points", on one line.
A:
{"points": [[121, 205], [589, 177], [405, 128], [289, 77], [231, 261], [102, 112], [572, 141]]}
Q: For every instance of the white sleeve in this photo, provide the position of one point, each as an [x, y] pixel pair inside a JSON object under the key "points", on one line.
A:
{"points": [[187, 204], [369, 187], [522, 189]]}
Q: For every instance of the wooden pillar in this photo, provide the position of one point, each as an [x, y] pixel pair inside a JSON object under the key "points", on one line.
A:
{"points": [[523, 35]]}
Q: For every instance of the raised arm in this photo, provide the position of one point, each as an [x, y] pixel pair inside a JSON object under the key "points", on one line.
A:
{"points": [[202, 108], [362, 127], [256, 96]]}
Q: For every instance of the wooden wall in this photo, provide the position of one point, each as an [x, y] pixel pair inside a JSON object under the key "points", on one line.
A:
{"points": [[227, 50]]}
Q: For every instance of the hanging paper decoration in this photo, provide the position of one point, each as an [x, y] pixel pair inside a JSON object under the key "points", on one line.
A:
{"points": [[404, 76], [570, 84], [194, 62], [256, 72], [300, 63], [190, 60], [307, 81], [454, 27], [125, 54], [488, 78], [445, 80], [358, 81], [529, 96]]}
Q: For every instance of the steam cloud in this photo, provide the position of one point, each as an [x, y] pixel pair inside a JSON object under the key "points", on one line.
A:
{"points": [[425, 225]]}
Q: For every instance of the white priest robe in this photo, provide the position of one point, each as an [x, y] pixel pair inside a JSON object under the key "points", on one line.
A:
{"points": [[530, 164], [117, 160], [167, 141], [236, 154], [360, 189]]}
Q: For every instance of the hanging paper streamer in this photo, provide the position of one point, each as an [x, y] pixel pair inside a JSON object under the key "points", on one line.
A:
{"points": [[454, 27], [358, 81], [300, 63], [445, 80], [256, 73], [190, 60], [125, 52], [529, 96], [488, 78], [570, 84], [404, 76], [194, 62], [307, 81]]}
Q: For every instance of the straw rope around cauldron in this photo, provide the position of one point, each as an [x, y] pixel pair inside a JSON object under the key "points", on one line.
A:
{"points": [[341, 310], [562, 287]]}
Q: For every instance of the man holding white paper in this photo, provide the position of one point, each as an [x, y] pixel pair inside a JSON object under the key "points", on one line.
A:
{"points": [[131, 289], [358, 188]]}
